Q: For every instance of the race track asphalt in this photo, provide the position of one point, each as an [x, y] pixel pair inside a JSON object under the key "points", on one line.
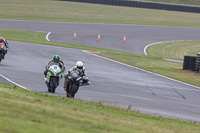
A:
{"points": [[138, 36], [112, 83]]}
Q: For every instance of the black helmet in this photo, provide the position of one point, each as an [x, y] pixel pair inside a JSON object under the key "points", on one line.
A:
{"points": [[56, 58]]}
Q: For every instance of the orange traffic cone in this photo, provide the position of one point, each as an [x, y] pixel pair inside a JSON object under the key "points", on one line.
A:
{"points": [[124, 40], [74, 36], [98, 39]]}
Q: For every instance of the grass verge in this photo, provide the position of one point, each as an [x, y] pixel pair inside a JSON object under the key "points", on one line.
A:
{"points": [[174, 50], [63, 11], [39, 112]]}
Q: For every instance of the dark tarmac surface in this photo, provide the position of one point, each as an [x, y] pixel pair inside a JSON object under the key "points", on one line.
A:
{"points": [[138, 36]]}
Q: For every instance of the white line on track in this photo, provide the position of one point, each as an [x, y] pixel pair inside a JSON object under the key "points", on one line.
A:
{"points": [[141, 69], [145, 52], [13, 82], [47, 36]]}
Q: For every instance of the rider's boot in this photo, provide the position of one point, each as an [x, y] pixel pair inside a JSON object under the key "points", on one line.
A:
{"points": [[45, 75], [3, 56], [64, 84]]}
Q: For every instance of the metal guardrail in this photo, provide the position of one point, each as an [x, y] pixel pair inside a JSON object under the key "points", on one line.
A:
{"points": [[143, 4]]}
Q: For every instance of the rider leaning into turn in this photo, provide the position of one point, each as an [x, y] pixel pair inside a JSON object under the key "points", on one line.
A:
{"points": [[56, 60], [5, 43], [82, 72]]}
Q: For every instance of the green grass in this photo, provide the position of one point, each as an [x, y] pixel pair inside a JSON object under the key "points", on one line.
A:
{"points": [[24, 36], [29, 112], [62, 11], [175, 50]]}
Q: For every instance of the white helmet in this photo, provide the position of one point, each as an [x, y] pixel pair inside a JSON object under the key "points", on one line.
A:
{"points": [[79, 64]]}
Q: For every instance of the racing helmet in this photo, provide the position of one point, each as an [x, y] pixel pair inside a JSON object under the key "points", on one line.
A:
{"points": [[2, 39], [79, 65], [56, 58]]}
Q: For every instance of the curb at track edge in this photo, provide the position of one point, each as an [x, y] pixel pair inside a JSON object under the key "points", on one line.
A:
{"points": [[145, 49], [85, 51], [13, 82], [47, 36]]}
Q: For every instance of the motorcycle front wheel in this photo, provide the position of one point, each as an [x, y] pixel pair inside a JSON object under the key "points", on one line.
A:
{"points": [[72, 90], [0, 57], [54, 85]]}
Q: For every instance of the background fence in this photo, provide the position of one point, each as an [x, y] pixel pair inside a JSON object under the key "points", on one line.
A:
{"points": [[142, 4]]}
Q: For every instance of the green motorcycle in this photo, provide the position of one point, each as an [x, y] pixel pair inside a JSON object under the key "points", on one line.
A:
{"points": [[53, 78]]}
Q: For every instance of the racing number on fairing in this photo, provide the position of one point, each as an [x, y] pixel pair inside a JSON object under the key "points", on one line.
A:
{"points": [[54, 67]]}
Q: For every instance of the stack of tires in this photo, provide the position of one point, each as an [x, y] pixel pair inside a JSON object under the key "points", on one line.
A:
{"points": [[190, 63], [186, 63], [198, 62]]}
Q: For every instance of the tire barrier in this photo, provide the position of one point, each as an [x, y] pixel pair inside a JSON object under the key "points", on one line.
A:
{"points": [[192, 63], [186, 63], [198, 62], [143, 4]]}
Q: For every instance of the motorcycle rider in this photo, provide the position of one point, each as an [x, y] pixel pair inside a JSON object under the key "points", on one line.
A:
{"points": [[56, 60], [5, 43], [82, 73]]}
